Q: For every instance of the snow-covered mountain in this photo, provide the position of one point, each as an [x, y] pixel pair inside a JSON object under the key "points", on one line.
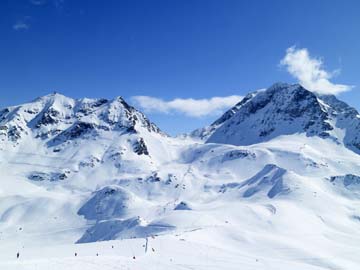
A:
{"points": [[57, 120], [285, 109], [273, 184]]}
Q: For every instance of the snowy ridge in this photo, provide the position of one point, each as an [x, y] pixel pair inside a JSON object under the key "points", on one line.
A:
{"points": [[56, 119], [271, 176]]}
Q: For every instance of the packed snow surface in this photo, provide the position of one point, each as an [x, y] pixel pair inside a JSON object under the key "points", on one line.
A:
{"points": [[93, 184]]}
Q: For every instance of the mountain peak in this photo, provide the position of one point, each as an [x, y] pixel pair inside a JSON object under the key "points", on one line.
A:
{"points": [[285, 109], [282, 86], [54, 96]]}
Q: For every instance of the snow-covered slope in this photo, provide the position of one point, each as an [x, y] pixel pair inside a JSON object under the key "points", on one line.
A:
{"points": [[275, 186]]}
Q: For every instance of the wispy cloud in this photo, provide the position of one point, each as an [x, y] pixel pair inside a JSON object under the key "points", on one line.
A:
{"points": [[24, 24], [311, 73], [21, 25], [189, 107], [58, 4], [38, 2]]}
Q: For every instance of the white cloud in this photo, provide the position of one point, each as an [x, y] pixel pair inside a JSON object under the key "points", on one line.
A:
{"points": [[310, 72], [189, 107], [20, 25]]}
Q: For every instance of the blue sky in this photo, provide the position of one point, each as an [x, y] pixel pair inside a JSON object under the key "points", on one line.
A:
{"points": [[171, 49]]}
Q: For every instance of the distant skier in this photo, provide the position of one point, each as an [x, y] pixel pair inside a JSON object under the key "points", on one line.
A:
{"points": [[17, 255], [146, 244], [75, 254]]}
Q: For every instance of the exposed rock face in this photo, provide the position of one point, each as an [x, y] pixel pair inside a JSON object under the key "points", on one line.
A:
{"points": [[52, 177], [140, 147], [49, 117], [349, 181], [238, 154]]}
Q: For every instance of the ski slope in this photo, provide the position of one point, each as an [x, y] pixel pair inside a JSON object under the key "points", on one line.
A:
{"points": [[121, 194]]}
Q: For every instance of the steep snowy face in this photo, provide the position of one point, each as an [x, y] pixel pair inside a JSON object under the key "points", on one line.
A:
{"points": [[346, 119], [270, 177], [56, 119], [206, 132], [285, 109]]}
